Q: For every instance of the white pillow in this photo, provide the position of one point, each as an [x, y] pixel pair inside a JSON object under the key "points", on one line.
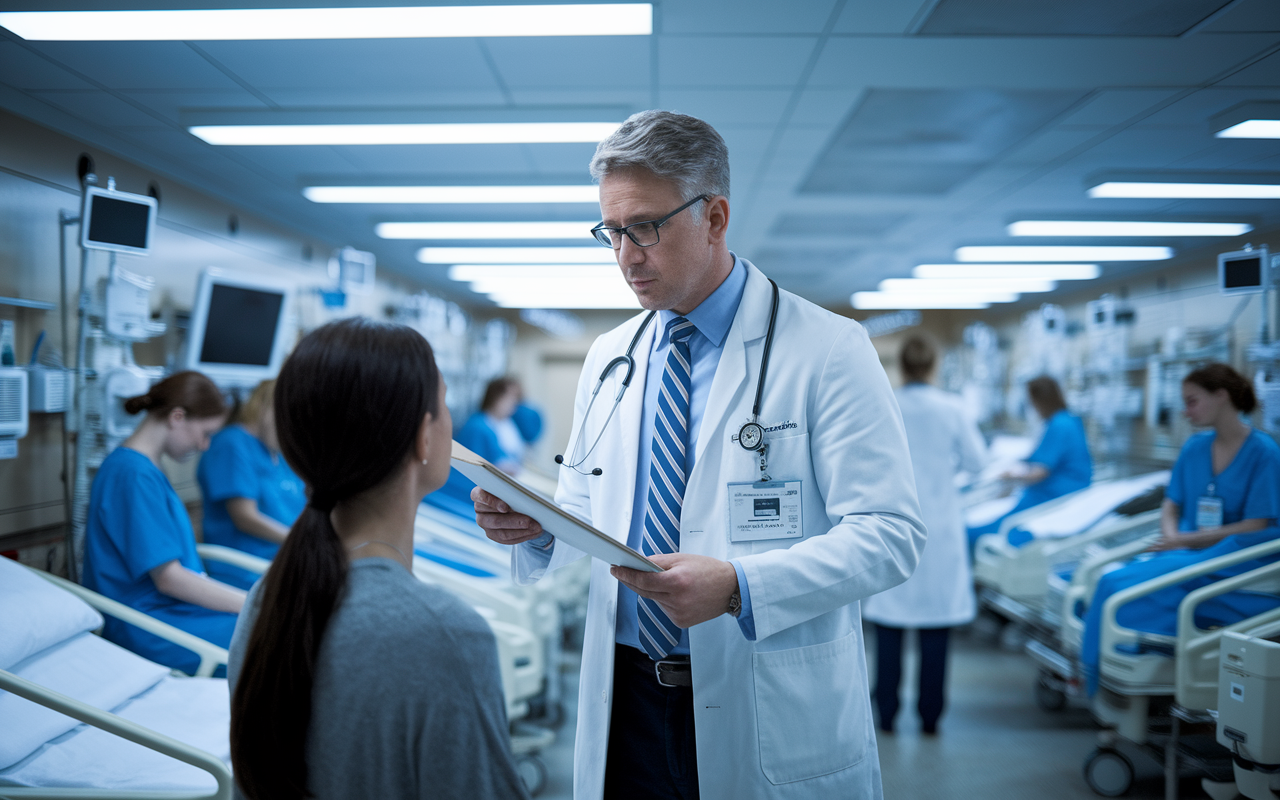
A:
{"points": [[35, 614], [86, 668]]}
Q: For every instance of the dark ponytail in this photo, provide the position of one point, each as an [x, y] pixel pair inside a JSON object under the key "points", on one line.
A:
{"points": [[191, 391], [1212, 377], [348, 404]]}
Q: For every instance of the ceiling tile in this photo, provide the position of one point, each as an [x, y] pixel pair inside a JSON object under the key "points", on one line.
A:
{"points": [[480, 159], [562, 61], [97, 107], [365, 64], [732, 61], [926, 142], [742, 16], [1077, 18], [1113, 106], [1264, 73], [835, 224], [721, 107], [635, 98], [138, 65], [168, 103], [374, 98], [1248, 16], [23, 69], [873, 16]]}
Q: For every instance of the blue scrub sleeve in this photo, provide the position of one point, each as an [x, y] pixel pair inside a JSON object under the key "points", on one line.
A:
{"points": [[1175, 491], [142, 528], [1262, 497], [746, 619], [1052, 448], [228, 469]]}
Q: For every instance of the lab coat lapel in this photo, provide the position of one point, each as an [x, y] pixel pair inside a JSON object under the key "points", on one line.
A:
{"points": [[624, 439], [749, 324]]}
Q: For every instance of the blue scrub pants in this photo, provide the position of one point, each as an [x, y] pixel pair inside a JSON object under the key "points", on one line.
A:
{"points": [[652, 751]]}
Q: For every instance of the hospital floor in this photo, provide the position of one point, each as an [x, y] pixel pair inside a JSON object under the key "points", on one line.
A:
{"points": [[994, 742]]}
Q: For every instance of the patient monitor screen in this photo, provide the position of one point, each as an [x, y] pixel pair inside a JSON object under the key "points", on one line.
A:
{"points": [[1241, 273], [119, 222], [241, 326]]}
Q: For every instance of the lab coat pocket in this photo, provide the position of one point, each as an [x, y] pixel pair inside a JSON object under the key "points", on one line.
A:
{"points": [[811, 716]]}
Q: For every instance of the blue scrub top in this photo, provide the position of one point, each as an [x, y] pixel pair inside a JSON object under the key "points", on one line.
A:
{"points": [[478, 436], [137, 523], [237, 464], [1063, 451], [1249, 487]]}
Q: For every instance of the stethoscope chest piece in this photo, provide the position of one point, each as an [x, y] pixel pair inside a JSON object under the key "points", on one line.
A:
{"points": [[751, 436]]}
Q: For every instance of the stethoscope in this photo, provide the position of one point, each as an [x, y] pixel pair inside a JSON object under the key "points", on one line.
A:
{"points": [[750, 436]]}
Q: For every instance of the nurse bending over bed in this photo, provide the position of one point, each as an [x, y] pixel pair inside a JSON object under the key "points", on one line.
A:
{"points": [[1223, 496], [139, 545], [251, 496], [350, 677]]}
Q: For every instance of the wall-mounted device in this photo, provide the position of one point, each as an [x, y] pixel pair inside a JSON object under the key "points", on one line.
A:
{"points": [[13, 409], [50, 389], [1244, 271], [352, 269], [240, 327], [118, 221]]}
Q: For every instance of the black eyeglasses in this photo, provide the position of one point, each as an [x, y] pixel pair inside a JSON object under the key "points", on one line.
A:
{"points": [[644, 234]]}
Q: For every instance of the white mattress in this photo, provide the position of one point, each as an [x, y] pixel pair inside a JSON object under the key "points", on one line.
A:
{"points": [[1087, 507], [989, 511], [196, 711]]}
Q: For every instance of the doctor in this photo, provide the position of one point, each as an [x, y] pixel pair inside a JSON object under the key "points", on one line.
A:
{"points": [[739, 671]]}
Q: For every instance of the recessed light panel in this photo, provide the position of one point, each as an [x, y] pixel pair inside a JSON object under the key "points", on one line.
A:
{"points": [[1061, 253], [405, 133], [1252, 129], [965, 285], [484, 230], [452, 194], [895, 300], [631, 19], [1135, 229], [1191, 191], [516, 255], [1050, 272]]}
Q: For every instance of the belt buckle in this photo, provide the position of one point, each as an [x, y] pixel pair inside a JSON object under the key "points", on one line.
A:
{"points": [[669, 662]]}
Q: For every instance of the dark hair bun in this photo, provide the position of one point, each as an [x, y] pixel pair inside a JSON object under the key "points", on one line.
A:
{"points": [[140, 403], [1212, 377]]}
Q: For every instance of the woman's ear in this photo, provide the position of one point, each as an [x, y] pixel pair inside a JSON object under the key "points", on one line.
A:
{"points": [[176, 416], [422, 440]]}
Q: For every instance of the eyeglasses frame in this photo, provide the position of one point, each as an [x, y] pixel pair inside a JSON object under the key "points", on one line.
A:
{"points": [[656, 223]]}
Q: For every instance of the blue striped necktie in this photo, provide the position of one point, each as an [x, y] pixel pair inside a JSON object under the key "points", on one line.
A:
{"points": [[658, 634]]}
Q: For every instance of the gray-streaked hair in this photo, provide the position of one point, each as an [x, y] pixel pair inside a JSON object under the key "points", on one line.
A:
{"points": [[673, 146]]}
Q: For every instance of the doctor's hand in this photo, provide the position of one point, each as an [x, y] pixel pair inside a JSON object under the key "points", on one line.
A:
{"points": [[500, 523], [693, 589]]}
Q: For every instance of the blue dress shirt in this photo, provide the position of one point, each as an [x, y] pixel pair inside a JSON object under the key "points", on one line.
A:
{"points": [[712, 318]]}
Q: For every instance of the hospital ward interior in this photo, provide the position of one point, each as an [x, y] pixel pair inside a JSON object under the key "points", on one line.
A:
{"points": [[308, 307]]}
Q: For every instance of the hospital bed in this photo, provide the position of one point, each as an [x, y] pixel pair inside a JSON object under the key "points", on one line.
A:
{"points": [[1003, 454], [1156, 691], [1012, 568], [1248, 698], [146, 732]]}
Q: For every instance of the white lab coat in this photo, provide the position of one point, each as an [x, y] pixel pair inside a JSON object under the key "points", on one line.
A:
{"points": [[943, 441], [785, 716]]}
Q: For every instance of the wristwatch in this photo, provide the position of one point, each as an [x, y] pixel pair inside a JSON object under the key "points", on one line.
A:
{"points": [[735, 603]]}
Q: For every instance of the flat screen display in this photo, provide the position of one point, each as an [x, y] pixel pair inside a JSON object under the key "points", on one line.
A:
{"points": [[241, 326], [118, 222], [1241, 273]]}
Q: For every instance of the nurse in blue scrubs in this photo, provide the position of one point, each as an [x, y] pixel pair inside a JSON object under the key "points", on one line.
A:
{"points": [[1223, 496], [251, 496], [1060, 464], [139, 545], [494, 434]]}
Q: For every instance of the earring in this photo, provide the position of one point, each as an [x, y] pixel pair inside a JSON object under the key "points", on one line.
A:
{"points": [[424, 462]]}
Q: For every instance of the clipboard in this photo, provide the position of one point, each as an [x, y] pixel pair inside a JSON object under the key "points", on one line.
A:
{"points": [[555, 520]]}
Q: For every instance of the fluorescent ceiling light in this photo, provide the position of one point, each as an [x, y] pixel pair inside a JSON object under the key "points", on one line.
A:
{"points": [[484, 230], [406, 133], [1062, 253], [1191, 191], [544, 273], [1252, 129], [516, 255], [894, 301], [452, 194], [565, 298], [964, 286], [1050, 272], [631, 19], [1106, 228]]}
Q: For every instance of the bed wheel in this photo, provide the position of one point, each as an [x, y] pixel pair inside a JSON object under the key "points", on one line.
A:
{"points": [[533, 772], [1108, 772], [1048, 696]]}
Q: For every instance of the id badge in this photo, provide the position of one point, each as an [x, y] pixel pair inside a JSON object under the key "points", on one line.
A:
{"points": [[1208, 513], [770, 510]]}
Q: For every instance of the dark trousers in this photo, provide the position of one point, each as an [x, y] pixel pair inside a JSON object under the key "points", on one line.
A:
{"points": [[933, 674], [652, 753]]}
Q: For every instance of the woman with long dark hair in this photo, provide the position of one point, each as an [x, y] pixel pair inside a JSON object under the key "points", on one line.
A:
{"points": [[349, 677], [139, 545]]}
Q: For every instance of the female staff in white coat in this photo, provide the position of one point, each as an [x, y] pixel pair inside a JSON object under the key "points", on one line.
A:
{"points": [[943, 440]]}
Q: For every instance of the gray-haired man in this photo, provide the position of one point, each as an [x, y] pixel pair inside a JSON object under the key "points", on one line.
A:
{"points": [[739, 671]]}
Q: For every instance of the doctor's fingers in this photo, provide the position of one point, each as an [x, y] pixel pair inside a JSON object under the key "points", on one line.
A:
{"points": [[509, 528], [487, 502]]}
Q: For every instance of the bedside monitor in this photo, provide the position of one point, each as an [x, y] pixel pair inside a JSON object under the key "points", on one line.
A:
{"points": [[117, 221], [239, 333], [1243, 272]]}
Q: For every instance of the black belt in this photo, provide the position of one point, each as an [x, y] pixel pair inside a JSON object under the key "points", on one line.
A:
{"points": [[673, 671]]}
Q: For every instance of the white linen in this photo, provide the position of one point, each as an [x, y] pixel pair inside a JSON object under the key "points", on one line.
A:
{"points": [[1087, 506], [989, 511], [36, 615], [86, 668], [196, 711], [943, 440]]}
